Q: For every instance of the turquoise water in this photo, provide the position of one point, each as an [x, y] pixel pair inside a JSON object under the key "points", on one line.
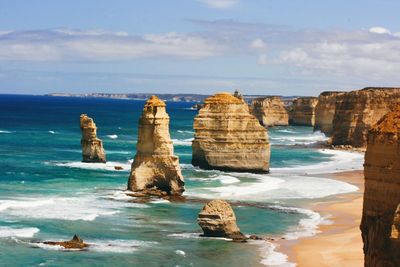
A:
{"points": [[46, 193]]}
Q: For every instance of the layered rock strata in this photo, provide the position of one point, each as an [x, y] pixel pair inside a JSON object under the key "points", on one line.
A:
{"points": [[92, 147], [381, 214], [228, 137], [155, 169], [359, 111], [325, 111], [270, 111], [303, 111], [217, 219]]}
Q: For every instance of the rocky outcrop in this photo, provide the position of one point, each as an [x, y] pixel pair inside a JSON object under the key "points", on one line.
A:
{"points": [[92, 147], [217, 219], [380, 220], [75, 243], [270, 111], [359, 111], [325, 111], [228, 137], [155, 168], [303, 111]]}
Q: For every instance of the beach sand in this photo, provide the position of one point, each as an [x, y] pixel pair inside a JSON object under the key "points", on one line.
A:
{"points": [[339, 243]]}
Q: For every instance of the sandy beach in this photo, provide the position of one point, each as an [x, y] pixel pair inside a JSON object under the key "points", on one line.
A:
{"points": [[339, 242]]}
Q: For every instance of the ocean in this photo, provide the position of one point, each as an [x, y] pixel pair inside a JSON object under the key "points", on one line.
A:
{"points": [[47, 193]]}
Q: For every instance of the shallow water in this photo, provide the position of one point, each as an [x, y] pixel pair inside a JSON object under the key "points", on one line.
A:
{"points": [[46, 193]]}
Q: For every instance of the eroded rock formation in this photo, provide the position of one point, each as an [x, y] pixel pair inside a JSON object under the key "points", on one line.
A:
{"points": [[325, 111], [217, 219], [228, 137], [381, 219], [92, 147], [303, 111], [75, 243], [359, 111], [270, 111], [155, 169]]}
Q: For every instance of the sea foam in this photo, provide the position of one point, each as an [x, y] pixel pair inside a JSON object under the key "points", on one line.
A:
{"points": [[18, 232]]}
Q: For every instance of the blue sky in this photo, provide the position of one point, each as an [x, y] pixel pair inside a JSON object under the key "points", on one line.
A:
{"points": [[287, 47]]}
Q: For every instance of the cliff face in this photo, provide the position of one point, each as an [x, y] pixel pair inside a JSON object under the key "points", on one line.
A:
{"points": [[155, 168], [358, 111], [325, 111], [270, 111], [380, 222], [303, 111], [228, 137], [92, 147]]}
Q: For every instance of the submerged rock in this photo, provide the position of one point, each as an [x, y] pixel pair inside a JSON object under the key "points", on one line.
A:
{"points": [[381, 220], [75, 243], [217, 219], [303, 111], [325, 111], [92, 147], [359, 111], [155, 168], [228, 137], [270, 111]]}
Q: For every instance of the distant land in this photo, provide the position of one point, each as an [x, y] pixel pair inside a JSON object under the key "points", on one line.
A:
{"points": [[167, 97]]}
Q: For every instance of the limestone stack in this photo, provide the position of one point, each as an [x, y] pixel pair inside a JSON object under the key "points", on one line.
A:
{"points": [[92, 147], [217, 219], [228, 137], [155, 169], [325, 111], [270, 111], [380, 221], [359, 111], [303, 111]]}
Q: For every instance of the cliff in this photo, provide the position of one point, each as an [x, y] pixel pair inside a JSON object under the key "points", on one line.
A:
{"points": [[380, 221], [228, 137], [325, 111], [155, 169], [92, 147], [270, 111], [359, 111], [303, 111]]}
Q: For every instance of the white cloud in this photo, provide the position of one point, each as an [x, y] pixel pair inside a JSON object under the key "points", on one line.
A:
{"points": [[258, 44], [220, 4], [379, 30]]}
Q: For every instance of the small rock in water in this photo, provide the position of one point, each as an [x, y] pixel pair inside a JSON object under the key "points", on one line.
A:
{"points": [[75, 243], [118, 168]]}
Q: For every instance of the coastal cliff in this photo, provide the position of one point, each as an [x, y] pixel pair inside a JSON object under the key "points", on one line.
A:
{"points": [[303, 111], [228, 137], [380, 221], [270, 111], [92, 147], [155, 169], [325, 111], [359, 111]]}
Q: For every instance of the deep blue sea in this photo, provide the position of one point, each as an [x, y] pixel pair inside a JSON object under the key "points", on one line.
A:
{"points": [[46, 193]]}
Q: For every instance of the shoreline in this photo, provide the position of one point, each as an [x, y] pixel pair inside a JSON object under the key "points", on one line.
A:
{"points": [[338, 241]]}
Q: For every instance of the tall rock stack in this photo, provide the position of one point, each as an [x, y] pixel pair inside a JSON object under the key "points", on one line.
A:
{"points": [[155, 169], [270, 111], [359, 111], [228, 137], [380, 223], [325, 111], [303, 111], [92, 147]]}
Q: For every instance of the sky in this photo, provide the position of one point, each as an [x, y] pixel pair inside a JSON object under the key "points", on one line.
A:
{"points": [[268, 47]]}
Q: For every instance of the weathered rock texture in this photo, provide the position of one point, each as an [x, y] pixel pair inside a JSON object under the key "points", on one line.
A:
{"points": [[303, 111], [325, 111], [92, 147], [217, 219], [359, 111], [155, 168], [74, 243], [270, 111], [381, 219], [228, 137]]}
